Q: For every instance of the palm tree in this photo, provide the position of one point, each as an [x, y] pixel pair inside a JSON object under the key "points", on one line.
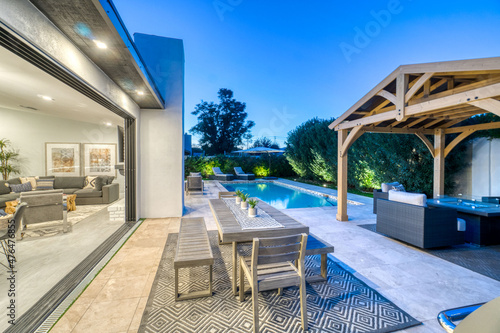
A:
{"points": [[7, 157]]}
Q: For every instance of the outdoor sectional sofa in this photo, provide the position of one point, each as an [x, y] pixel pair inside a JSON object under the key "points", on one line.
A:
{"points": [[108, 193], [419, 225]]}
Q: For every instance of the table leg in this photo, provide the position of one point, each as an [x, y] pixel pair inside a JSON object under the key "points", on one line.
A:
{"points": [[235, 269], [324, 263]]}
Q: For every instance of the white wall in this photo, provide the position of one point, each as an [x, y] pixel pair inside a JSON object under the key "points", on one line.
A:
{"points": [[486, 167], [29, 131]]}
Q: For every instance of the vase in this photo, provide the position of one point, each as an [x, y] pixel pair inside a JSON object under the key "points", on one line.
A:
{"points": [[238, 200], [252, 212], [244, 205]]}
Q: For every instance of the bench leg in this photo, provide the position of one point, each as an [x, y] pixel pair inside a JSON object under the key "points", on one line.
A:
{"points": [[195, 294]]}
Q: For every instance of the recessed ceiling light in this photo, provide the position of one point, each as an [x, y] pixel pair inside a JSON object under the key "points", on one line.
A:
{"points": [[108, 124], [100, 44], [140, 92], [47, 98]]}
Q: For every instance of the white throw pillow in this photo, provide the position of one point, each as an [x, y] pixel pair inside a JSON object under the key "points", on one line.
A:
{"points": [[32, 180], [387, 186], [418, 199]]}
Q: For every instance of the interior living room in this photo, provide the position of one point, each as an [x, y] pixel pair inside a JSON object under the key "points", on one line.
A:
{"points": [[82, 111]]}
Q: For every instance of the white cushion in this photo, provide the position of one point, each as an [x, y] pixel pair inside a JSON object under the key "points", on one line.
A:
{"points": [[32, 180], [417, 199], [387, 186]]}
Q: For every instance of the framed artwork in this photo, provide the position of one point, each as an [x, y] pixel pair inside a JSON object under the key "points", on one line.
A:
{"points": [[62, 159], [100, 159]]}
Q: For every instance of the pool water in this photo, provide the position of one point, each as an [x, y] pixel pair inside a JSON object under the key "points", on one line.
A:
{"points": [[281, 197]]}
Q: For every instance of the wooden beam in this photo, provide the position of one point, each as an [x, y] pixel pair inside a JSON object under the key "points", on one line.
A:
{"points": [[367, 120], [351, 138], [456, 141], [427, 142], [453, 122], [434, 122], [401, 88], [456, 99], [431, 89], [427, 88], [396, 130], [342, 178], [415, 122], [420, 82], [488, 104], [439, 142], [387, 95], [477, 127]]}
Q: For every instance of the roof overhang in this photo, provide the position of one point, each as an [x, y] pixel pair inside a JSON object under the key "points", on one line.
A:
{"points": [[85, 22], [420, 98]]}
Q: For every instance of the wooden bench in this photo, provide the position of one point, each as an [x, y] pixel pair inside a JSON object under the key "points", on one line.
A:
{"points": [[315, 246], [193, 249]]}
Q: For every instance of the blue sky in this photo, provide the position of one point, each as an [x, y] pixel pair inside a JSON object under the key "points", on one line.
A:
{"points": [[290, 61]]}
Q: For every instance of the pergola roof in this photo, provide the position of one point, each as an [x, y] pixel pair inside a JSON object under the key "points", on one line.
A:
{"points": [[431, 96], [423, 99]]}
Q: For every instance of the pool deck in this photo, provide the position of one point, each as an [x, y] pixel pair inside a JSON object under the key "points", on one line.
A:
{"points": [[419, 283]]}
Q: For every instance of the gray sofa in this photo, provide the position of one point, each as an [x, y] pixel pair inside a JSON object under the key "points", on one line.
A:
{"points": [[424, 227], [378, 194], [70, 185]]}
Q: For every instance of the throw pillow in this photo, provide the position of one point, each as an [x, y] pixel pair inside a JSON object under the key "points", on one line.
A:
{"points": [[194, 174], [32, 180], [26, 187], [4, 187], [89, 182], [110, 179], [387, 186], [399, 188], [45, 184]]}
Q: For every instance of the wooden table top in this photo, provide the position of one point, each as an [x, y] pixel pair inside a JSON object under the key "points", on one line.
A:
{"points": [[230, 230]]}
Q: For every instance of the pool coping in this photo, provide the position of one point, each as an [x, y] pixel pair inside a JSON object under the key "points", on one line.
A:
{"points": [[280, 182]]}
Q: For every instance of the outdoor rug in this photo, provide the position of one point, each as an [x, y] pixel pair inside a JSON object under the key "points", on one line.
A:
{"points": [[343, 304], [482, 260]]}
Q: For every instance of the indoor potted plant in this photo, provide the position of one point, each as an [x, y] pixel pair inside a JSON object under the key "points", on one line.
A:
{"points": [[252, 210], [244, 202], [238, 196]]}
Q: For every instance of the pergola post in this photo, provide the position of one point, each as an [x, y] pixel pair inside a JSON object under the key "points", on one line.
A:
{"points": [[439, 147], [342, 177]]}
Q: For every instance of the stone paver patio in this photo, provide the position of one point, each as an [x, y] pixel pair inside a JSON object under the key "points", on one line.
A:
{"points": [[419, 283]]}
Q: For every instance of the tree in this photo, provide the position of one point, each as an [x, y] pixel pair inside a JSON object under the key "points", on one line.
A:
{"points": [[221, 125], [265, 142], [8, 156], [248, 138]]}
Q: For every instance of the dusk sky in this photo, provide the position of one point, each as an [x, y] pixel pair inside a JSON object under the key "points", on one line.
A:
{"points": [[290, 61]]}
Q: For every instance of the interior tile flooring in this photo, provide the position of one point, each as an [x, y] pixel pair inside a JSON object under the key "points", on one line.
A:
{"points": [[419, 283]]}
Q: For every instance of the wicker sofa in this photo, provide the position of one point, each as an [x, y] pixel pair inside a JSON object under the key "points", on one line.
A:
{"points": [[424, 227], [70, 185]]}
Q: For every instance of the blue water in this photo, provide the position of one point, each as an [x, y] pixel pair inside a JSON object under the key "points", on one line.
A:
{"points": [[279, 196]]}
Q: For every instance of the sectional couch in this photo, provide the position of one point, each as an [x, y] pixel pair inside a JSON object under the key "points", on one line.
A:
{"points": [[105, 190]]}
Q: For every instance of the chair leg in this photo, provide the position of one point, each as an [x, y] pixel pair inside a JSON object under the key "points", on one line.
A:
{"points": [[303, 304], [242, 282], [280, 291], [255, 306]]}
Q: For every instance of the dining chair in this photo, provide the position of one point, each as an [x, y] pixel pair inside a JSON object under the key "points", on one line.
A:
{"points": [[5, 240], [271, 267]]}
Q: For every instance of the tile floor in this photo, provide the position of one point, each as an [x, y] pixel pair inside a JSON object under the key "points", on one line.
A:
{"points": [[419, 283]]}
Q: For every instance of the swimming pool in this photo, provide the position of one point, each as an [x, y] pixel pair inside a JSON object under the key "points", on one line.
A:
{"points": [[281, 197]]}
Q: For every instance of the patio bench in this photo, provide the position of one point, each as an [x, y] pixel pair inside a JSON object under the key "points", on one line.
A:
{"points": [[193, 249], [316, 246]]}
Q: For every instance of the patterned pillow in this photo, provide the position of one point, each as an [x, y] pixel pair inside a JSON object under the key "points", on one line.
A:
{"points": [[94, 183], [26, 187], [45, 184], [32, 180], [399, 188]]}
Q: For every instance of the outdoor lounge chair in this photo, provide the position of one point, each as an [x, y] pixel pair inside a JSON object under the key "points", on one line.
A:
{"points": [[218, 175], [242, 175], [194, 184], [271, 267]]}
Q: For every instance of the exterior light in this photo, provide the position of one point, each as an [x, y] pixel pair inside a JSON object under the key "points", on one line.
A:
{"points": [[140, 92], [47, 98], [100, 45], [324, 185]]}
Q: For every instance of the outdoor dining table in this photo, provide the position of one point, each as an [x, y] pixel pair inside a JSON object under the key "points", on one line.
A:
{"points": [[230, 231]]}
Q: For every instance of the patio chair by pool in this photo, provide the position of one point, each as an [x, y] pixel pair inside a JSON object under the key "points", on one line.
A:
{"points": [[218, 175], [242, 175], [482, 318], [270, 267], [194, 184]]}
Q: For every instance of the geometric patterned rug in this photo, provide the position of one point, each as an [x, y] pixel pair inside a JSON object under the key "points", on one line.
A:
{"points": [[342, 304], [484, 260]]}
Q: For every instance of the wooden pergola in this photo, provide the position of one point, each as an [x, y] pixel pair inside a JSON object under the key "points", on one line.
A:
{"points": [[422, 99]]}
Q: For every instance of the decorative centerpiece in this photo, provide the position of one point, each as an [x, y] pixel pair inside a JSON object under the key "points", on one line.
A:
{"points": [[238, 196], [252, 210], [244, 202]]}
